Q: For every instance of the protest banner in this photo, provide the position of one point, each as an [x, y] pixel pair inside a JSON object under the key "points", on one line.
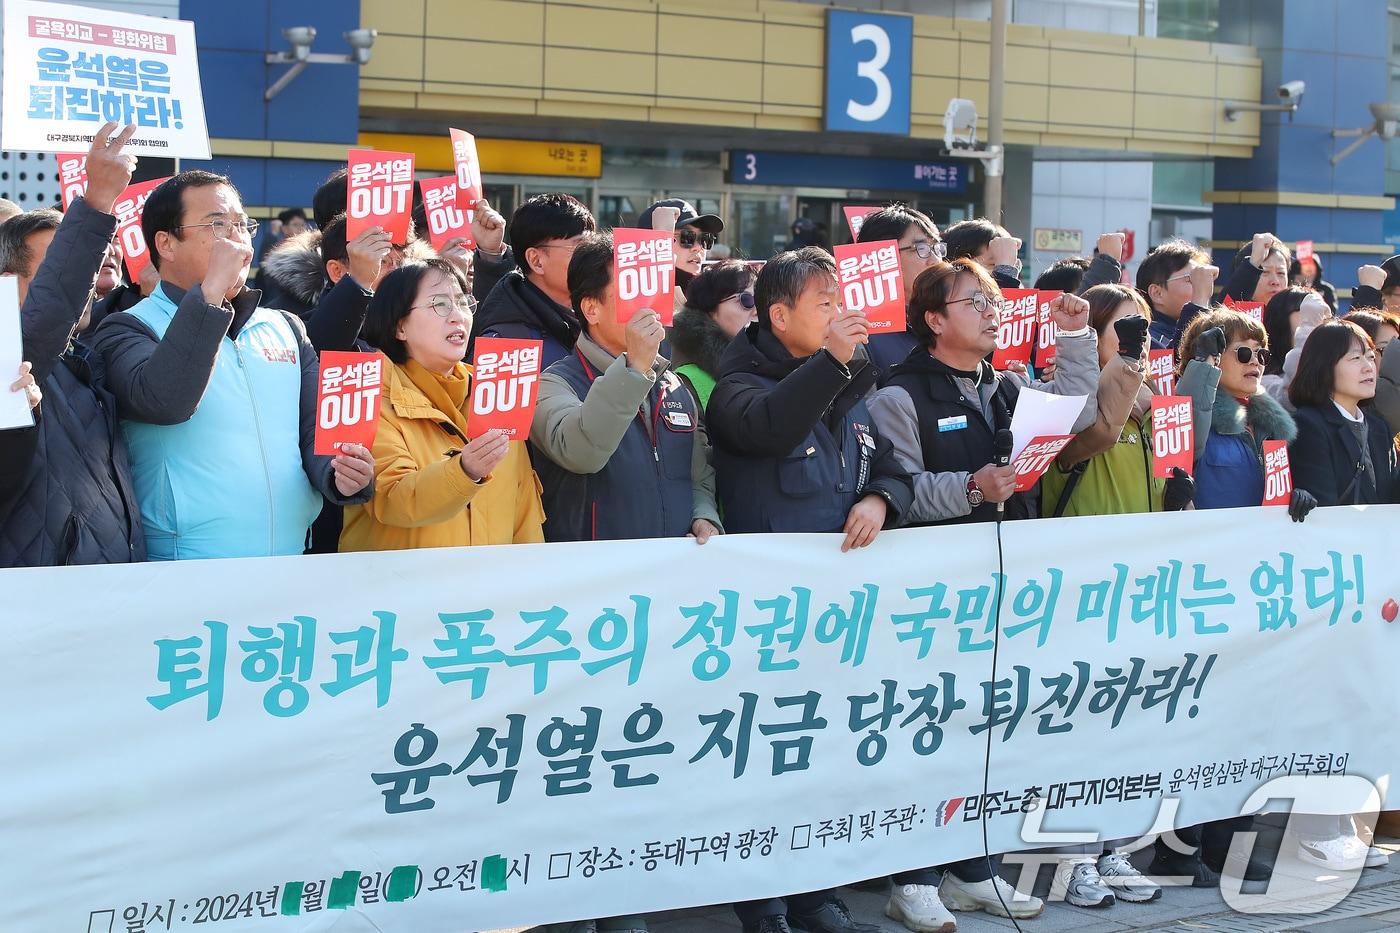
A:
{"points": [[505, 384], [1162, 371], [855, 218], [127, 209], [468, 167], [347, 404], [1046, 330], [872, 283], [444, 209], [1020, 323], [1172, 430], [14, 406], [69, 69], [364, 733], [72, 176], [1035, 458], [379, 193], [644, 272], [1278, 475]]}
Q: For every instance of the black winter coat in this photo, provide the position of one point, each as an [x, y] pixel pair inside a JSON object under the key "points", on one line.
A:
{"points": [[1325, 458]]}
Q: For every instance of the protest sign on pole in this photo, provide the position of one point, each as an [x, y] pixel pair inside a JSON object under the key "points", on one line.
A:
{"points": [[379, 193], [69, 69], [1278, 475], [1162, 371], [72, 176], [444, 207], [873, 283], [1172, 430], [1020, 325], [127, 209], [468, 167], [855, 217], [347, 405], [14, 406], [644, 272], [505, 386]]}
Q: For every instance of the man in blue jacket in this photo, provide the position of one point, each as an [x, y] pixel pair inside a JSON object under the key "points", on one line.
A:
{"points": [[217, 394]]}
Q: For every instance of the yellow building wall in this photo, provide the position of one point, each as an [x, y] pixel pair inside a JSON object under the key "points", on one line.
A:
{"points": [[756, 64]]}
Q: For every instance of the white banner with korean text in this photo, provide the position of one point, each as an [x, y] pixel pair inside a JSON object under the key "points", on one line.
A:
{"points": [[466, 739]]}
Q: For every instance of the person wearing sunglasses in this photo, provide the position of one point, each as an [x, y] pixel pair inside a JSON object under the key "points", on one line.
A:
{"points": [[1177, 280], [436, 485], [211, 384], [920, 246], [692, 235], [719, 304]]}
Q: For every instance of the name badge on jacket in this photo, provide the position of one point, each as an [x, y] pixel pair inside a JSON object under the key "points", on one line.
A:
{"points": [[955, 423]]}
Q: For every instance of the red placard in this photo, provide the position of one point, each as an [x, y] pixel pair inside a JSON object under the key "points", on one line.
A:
{"points": [[468, 166], [72, 176], [1036, 458], [1278, 476], [446, 216], [347, 404], [1046, 331], [1020, 323], [1162, 371], [1172, 431], [871, 282], [855, 218], [1129, 245], [505, 382], [1304, 251], [380, 193], [127, 207], [1254, 309], [644, 272]]}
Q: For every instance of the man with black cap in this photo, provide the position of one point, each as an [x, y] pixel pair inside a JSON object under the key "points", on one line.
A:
{"points": [[692, 233]]}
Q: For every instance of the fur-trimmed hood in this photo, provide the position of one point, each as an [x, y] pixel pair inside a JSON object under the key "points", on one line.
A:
{"points": [[295, 265], [1269, 420], [698, 340]]}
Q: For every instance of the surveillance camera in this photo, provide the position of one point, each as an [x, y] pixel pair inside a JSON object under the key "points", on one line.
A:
{"points": [[1386, 112], [1292, 90], [361, 38], [300, 35]]}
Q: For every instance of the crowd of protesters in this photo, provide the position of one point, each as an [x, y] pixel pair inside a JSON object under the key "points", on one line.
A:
{"points": [[174, 416]]}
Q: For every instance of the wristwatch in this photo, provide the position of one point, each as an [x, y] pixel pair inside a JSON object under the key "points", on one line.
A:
{"points": [[974, 493]]}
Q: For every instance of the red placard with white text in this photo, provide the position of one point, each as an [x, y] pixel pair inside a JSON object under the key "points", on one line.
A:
{"points": [[347, 403], [1172, 431], [442, 205], [1036, 458], [1254, 309], [871, 282], [127, 207], [1305, 250], [644, 272], [855, 218], [380, 193], [72, 176], [505, 386], [1278, 476], [1162, 371], [468, 167], [1046, 331], [1020, 323]]}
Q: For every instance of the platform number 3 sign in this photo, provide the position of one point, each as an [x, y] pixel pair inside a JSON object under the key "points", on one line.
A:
{"points": [[868, 58]]}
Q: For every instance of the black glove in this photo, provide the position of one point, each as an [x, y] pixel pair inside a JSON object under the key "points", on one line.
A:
{"points": [[1132, 336], [1210, 343], [1301, 503], [1180, 491]]}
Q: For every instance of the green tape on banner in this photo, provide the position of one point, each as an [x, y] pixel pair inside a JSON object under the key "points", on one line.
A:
{"points": [[291, 898], [343, 891], [493, 873], [403, 883]]}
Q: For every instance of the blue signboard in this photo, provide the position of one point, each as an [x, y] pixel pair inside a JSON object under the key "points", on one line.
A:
{"points": [[747, 167], [868, 63]]}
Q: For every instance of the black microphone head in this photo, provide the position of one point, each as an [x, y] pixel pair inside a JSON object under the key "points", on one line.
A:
{"points": [[1004, 442]]}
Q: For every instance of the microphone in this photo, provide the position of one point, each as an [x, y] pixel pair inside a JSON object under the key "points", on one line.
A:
{"points": [[1004, 442]]}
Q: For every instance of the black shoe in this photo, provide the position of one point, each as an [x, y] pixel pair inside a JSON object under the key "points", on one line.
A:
{"points": [[774, 923], [1178, 865], [832, 917], [1256, 869]]}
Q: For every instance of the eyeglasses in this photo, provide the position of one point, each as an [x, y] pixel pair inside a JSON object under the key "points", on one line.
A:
{"points": [[924, 249], [1245, 354], [981, 302], [745, 299], [222, 228], [443, 306], [689, 238], [1179, 276]]}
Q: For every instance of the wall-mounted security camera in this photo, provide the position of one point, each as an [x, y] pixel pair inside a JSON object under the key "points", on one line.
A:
{"points": [[300, 39], [361, 41], [1292, 90], [1386, 126]]}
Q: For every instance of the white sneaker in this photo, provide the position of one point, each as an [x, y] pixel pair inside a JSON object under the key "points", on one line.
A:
{"points": [[1077, 881], [1376, 858], [1344, 853], [988, 895], [917, 907], [1126, 882]]}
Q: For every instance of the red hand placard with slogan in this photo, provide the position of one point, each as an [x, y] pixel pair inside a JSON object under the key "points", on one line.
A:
{"points": [[1278, 476], [1020, 322], [1172, 431], [505, 383], [872, 283], [347, 403], [380, 193], [127, 207], [1036, 458], [855, 218], [644, 272], [1305, 250], [443, 206], [1046, 331], [468, 167], [72, 176], [1254, 309], [1162, 374]]}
